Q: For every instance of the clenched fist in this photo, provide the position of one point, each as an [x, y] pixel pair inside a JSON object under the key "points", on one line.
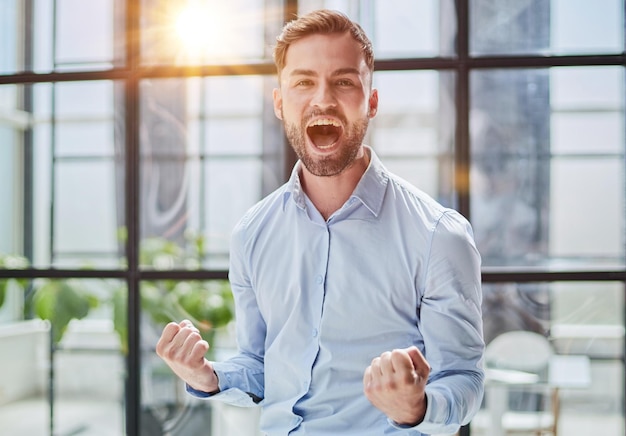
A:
{"points": [[183, 350], [395, 383]]}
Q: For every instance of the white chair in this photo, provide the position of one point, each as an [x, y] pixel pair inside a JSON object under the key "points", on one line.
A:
{"points": [[517, 362]]}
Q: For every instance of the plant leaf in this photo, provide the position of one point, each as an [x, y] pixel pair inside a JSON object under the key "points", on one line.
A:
{"points": [[59, 302], [120, 323], [3, 290]]}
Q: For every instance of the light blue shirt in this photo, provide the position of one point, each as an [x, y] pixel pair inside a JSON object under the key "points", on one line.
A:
{"points": [[317, 300]]}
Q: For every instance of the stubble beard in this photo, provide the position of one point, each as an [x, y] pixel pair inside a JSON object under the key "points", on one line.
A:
{"points": [[331, 165]]}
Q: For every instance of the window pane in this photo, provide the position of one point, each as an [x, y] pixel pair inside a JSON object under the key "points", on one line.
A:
{"points": [[11, 30], [84, 217], [546, 27], [210, 149], [23, 377], [87, 175], [13, 121], [87, 32], [546, 151], [582, 327], [205, 32], [77, 166], [166, 407], [400, 28], [86, 321], [66, 35], [413, 131]]}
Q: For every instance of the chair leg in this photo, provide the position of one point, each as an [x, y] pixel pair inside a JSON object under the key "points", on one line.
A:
{"points": [[556, 409]]}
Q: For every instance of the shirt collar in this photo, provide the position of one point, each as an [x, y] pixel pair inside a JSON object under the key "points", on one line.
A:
{"points": [[370, 190]]}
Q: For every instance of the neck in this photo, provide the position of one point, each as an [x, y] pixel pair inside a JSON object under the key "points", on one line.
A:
{"points": [[328, 194]]}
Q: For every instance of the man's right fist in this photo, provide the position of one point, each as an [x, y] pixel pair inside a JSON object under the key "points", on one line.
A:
{"points": [[183, 350]]}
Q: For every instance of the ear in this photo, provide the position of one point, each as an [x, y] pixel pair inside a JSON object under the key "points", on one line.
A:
{"points": [[278, 103], [373, 104]]}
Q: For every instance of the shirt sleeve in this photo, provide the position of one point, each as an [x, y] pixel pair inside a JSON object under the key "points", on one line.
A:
{"points": [[451, 324], [241, 378]]}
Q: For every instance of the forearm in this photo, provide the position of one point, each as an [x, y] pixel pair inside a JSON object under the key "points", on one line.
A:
{"points": [[452, 401], [243, 372]]}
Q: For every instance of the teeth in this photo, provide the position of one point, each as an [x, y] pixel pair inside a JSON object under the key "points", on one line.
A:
{"points": [[325, 122]]}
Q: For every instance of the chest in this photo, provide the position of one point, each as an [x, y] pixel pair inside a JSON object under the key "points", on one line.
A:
{"points": [[356, 277]]}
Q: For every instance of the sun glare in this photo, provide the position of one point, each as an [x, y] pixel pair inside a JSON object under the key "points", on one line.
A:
{"points": [[194, 29]]}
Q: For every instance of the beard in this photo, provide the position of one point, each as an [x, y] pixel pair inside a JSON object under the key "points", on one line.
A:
{"points": [[331, 165]]}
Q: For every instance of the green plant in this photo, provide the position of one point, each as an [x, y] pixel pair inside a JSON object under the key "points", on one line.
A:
{"points": [[208, 304], [61, 301], [11, 261]]}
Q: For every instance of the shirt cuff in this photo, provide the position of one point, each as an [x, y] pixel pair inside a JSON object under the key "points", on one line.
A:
{"points": [[196, 393]]}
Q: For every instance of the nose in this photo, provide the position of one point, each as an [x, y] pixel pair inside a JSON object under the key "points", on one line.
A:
{"points": [[324, 97]]}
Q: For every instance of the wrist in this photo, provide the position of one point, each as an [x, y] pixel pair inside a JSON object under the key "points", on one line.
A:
{"points": [[413, 416]]}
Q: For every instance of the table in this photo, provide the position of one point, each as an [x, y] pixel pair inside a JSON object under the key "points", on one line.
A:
{"points": [[564, 371]]}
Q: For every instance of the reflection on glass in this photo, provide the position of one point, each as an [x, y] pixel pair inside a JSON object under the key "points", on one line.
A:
{"points": [[546, 27], [210, 149], [413, 131], [580, 328], [400, 28], [534, 183], [67, 347]]}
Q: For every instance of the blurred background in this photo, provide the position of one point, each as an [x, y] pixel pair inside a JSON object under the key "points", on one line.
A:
{"points": [[134, 134]]}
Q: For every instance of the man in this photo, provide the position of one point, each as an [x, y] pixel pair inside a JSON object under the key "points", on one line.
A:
{"points": [[357, 295]]}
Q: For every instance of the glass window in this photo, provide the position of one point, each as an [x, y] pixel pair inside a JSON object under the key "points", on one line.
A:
{"points": [[66, 144], [66, 35], [209, 305], [400, 28], [77, 166], [543, 147], [206, 158], [581, 326], [546, 27], [13, 122], [540, 166], [193, 32], [78, 328], [87, 32], [413, 131], [11, 27], [23, 378]]}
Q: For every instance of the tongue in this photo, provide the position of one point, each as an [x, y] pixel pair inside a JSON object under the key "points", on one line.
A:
{"points": [[323, 136]]}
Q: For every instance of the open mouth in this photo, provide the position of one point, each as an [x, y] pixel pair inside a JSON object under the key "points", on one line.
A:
{"points": [[324, 132]]}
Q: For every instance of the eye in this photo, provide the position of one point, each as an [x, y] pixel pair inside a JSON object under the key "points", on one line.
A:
{"points": [[345, 83], [303, 82]]}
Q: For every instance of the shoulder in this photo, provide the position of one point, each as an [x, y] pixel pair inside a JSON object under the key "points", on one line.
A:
{"points": [[439, 219], [262, 211], [407, 196]]}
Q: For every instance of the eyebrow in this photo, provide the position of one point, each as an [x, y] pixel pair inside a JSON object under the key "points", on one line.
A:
{"points": [[339, 72]]}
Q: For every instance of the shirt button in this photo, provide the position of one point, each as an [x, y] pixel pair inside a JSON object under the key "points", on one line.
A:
{"points": [[319, 280], [315, 333]]}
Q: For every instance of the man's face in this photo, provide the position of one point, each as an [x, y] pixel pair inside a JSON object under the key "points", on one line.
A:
{"points": [[325, 101]]}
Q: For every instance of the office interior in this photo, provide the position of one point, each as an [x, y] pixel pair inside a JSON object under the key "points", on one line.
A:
{"points": [[135, 133]]}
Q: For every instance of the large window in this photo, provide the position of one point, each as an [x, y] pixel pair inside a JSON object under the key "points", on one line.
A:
{"points": [[134, 134]]}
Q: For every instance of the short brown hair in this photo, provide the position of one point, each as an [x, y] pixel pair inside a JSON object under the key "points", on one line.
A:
{"points": [[322, 21]]}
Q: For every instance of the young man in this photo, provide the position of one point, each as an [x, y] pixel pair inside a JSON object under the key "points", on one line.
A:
{"points": [[357, 296]]}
